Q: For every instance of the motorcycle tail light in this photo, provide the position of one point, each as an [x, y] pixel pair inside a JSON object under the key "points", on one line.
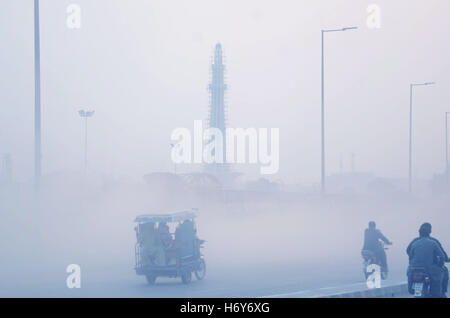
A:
{"points": [[418, 277]]}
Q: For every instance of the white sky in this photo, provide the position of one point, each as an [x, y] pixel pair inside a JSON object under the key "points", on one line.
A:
{"points": [[143, 66]]}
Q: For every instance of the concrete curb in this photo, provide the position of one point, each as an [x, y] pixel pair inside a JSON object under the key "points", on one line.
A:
{"points": [[383, 292]]}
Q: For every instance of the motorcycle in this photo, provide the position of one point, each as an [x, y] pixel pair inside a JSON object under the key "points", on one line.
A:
{"points": [[420, 282], [370, 259]]}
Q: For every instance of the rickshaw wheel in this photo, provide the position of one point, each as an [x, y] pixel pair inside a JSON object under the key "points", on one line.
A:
{"points": [[186, 277], [151, 279], [201, 272]]}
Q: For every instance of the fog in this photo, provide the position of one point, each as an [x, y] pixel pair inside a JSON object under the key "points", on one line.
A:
{"points": [[144, 67], [260, 238]]}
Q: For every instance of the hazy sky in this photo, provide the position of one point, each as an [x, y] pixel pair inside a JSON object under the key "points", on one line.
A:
{"points": [[144, 67]]}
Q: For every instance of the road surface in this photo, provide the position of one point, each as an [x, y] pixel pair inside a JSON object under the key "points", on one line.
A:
{"points": [[264, 280]]}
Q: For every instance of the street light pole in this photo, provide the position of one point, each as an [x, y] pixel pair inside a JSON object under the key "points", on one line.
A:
{"points": [[323, 106], [411, 86], [174, 164], [323, 122], [37, 98], [410, 139], [85, 114], [446, 146]]}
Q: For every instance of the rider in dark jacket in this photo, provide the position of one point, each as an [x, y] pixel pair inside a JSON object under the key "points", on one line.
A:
{"points": [[444, 268], [372, 237], [428, 253]]}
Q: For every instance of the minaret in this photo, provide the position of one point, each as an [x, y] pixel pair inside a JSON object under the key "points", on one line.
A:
{"points": [[217, 117]]}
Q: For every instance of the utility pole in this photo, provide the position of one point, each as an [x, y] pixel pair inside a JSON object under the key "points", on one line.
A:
{"points": [[85, 114], [446, 147], [323, 106], [174, 164], [37, 99]]}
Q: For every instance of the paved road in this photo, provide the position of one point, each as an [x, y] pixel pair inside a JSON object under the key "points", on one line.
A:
{"points": [[264, 280]]}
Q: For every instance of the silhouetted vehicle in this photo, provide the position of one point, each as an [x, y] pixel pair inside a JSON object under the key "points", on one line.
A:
{"points": [[421, 281], [369, 258], [161, 252]]}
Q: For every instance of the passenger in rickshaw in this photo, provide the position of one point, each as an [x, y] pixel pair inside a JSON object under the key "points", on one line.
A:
{"points": [[164, 234], [185, 236], [152, 248]]}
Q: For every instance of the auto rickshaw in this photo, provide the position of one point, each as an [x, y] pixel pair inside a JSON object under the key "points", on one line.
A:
{"points": [[168, 246]]}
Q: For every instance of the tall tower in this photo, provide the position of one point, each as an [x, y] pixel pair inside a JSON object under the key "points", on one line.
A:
{"points": [[217, 109]]}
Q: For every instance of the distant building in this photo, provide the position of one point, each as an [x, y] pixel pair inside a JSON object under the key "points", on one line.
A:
{"points": [[349, 183], [440, 184]]}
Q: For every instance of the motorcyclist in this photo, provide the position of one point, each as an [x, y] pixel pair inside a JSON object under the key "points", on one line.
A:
{"points": [[372, 237], [444, 268], [446, 259], [426, 252]]}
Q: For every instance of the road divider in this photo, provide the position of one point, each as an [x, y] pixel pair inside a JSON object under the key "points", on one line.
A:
{"points": [[383, 292]]}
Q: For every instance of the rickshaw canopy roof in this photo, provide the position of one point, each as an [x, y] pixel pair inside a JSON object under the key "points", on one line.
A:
{"points": [[172, 217]]}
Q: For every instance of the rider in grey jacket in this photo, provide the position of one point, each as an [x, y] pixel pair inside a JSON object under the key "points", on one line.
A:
{"points": [[426, 252]]}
